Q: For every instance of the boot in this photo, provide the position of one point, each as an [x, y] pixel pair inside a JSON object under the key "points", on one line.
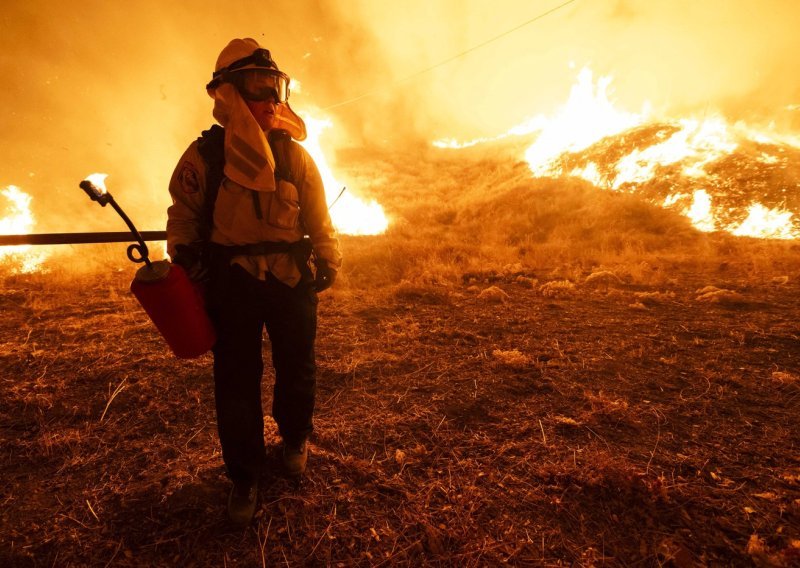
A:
{"points": [[242, 502], [295, 456]]}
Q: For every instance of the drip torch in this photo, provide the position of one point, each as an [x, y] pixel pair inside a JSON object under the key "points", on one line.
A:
{"points": [[96, 193], [174, 303]]}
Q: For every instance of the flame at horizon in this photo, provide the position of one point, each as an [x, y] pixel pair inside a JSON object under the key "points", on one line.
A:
{"points": [[18, 220], [694, 145], [587, 116], [589, 119]]}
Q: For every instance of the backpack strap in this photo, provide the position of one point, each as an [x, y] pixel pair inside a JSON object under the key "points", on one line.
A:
{"points": [[211, 145], [279, 141], [286, 153]]}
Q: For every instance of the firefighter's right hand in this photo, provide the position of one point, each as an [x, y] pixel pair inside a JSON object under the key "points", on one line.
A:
{"points": [[190, 259]]}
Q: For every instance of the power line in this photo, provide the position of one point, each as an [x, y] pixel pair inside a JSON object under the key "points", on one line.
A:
{"points": [[452, 58]]}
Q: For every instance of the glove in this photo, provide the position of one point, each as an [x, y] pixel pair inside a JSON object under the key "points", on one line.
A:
{"points": [[325, 275], [190, 259]]}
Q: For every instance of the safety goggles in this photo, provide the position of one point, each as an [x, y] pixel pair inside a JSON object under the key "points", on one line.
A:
{"points": [[260, 84], [256, 77]]}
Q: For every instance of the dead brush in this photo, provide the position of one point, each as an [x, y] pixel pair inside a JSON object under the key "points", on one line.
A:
{"points": [[647, 272], [608, 485], [654, 298], [602, 279], [408, 291], [493, 295], [526, 282], [714, 295], [557, 288], [606, 407], [401, 329], [512, 358]]}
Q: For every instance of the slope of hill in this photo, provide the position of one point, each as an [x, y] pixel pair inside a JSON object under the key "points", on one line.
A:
{"points": [[667, 163]]}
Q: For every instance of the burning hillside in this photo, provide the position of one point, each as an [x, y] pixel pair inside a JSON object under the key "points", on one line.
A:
{"points": [[724, 177], [744, 185]]}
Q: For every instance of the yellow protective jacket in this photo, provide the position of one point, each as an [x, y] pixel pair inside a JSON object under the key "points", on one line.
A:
{"points": [[283, 215]]}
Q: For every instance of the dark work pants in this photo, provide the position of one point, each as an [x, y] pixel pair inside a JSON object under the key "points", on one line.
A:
{"points": [[241, 307]]}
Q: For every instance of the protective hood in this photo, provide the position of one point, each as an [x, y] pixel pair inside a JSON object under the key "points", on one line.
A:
{"points": [[248, 157]]}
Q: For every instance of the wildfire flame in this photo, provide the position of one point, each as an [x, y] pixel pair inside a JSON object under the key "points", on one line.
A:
{"points": [[588, 117], [350, 215], [763, 222], [700, 211], [18, 220]]}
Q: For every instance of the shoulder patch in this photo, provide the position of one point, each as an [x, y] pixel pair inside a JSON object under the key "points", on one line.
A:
{"points": [[188, 178]]}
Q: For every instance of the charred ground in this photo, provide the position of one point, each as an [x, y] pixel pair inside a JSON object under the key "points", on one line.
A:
{"points": [[572, 394]]}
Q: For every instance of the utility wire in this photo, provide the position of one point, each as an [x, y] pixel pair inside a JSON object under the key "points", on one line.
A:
{"points": [[452, 58]]}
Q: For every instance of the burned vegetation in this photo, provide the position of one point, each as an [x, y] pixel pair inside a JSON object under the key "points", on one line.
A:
{"points": [[531, 372]]}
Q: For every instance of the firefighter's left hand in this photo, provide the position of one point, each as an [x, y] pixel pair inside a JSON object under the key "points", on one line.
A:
{"points": [[190, 259], [325, 276]]}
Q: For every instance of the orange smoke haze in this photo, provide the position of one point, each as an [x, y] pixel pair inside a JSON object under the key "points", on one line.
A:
{"points": [[96, 86]]}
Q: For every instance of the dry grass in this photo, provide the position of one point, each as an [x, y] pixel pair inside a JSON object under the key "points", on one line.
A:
{"points": [[483, 398]]}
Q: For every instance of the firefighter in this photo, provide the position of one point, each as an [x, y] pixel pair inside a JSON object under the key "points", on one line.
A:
{"points": [[248, 210]]}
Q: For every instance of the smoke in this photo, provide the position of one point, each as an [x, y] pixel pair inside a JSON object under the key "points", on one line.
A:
{"points": [[96, 86], [735, 56]]}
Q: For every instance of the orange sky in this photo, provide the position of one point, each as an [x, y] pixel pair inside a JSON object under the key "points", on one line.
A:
{"points": [[93, 86]]}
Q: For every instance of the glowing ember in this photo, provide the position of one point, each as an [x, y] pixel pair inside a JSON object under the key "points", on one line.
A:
{"points": [[18, 220], [350, 215]]}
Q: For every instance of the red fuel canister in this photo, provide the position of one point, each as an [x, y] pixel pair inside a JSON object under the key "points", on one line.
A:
{"points": [[176, 306]]}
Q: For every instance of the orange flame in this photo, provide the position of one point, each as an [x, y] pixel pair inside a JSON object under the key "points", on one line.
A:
{"points": [[589, 116], [767, 223], [350, 214], [19, 220]]}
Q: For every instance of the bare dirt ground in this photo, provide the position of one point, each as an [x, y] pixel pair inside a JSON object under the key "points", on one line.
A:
{"points": [[605, 424]]}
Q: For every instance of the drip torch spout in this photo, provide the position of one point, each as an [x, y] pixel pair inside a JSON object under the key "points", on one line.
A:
{"points": [[94, 192], [136, 252]]}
